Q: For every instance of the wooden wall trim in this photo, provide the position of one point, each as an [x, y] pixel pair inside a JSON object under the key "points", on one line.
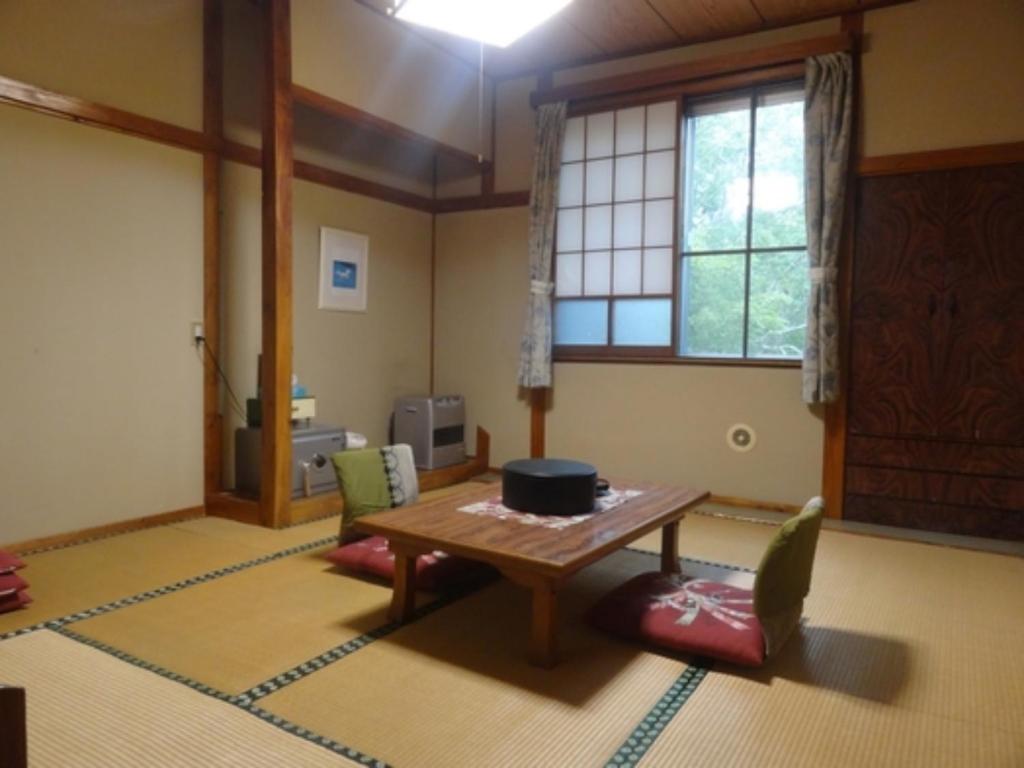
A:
{"points": [[358, 117], [741, 503], [33, 98], [13, 728], [942, 159], [328, 177], [36, 99], [515, 199], [275, 376], [694, 70], [213, 111], [102, 531]]}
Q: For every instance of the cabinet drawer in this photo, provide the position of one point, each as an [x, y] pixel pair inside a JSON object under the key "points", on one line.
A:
{"points": [[966, 521], [936, 487], [936, 456]]}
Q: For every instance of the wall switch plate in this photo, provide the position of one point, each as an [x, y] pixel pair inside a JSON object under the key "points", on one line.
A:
{"points": [[197, 332]]}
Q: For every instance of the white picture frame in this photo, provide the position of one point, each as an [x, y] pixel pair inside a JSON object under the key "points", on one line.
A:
{"points": [[344, 270]]}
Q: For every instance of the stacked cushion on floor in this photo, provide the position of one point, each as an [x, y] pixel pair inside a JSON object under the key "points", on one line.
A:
{"points": [[12, 586]]}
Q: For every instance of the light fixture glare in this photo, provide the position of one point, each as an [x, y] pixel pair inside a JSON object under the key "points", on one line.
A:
{"points": [[496, 22]]}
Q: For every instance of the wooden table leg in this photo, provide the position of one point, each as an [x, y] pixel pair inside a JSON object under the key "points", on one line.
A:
{"points": [[543, 650], [670, 548], [403, 597]]}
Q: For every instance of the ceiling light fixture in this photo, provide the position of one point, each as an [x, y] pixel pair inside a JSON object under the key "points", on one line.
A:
{"points": [[497, 22]]}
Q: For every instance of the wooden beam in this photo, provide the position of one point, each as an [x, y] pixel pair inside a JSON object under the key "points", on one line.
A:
{"points": [[942, 159], [213, 111], [275, 378], [13, 729], [694, 70], [538, 409], [19, 94], [481, 202], [362, 119]]}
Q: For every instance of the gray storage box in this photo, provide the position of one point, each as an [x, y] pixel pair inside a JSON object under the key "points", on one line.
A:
{"points": [[434, 427], [311, 459]]}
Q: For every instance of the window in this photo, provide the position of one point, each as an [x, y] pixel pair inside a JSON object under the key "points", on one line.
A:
{"points": [[616, 229], [713, 265]]}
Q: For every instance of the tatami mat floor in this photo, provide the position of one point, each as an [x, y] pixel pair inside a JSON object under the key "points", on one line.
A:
{"points": [[214, 643]]}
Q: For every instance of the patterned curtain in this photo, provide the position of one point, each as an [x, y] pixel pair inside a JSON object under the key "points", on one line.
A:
{"points": [[828, 112], [535, 348]]}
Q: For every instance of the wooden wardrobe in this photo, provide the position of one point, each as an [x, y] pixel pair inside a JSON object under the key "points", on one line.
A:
{"points": [[935, 435]]}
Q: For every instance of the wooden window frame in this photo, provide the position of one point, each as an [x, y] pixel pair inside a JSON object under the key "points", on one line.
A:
{"points": [[608, 353]]}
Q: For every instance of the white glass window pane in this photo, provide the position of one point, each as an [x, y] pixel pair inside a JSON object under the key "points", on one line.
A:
{"points": [[572, 145], [629, 130], [570, 185], [658, 270], [642, 322], [629, 178], [599, 228], [599, 181], [660, 177], [658, 223], [570, 230], [600, 132], [597, 277], [568, 274], [626, 273], [581, 322], [628, 225], [661, 126]]}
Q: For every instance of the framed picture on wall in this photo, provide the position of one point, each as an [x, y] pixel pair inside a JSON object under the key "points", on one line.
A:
{"points": [[344, 259]]}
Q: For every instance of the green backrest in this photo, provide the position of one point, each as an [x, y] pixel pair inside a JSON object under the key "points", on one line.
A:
{"points": [[784, 576], [374, 479]]}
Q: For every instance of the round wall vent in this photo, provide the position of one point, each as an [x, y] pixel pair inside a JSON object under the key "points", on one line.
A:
{"points": [[741, 437]]}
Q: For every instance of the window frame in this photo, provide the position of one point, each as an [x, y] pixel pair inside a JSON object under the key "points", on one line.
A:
{"points": [[611, 353]]}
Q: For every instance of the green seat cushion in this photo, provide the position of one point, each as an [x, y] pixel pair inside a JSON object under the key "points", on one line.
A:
{"points": [[374, 479], [784, 576]]}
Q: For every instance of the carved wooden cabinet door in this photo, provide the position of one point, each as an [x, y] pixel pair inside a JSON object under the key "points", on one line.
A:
{"points": [[898, 274], [982, 307]]}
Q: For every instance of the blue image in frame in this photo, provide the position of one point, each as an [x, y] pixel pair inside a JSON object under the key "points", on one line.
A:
{"points": [[343, 274]]}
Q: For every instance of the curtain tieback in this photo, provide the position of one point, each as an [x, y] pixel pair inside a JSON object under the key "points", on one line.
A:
{"points": [[541, 287], [820, 275]]}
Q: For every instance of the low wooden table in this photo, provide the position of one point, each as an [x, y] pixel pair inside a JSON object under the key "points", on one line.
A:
{"points": [[531, 555]]}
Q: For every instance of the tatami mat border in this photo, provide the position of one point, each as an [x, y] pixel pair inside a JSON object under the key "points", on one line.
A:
{"points": [[325, 659], [279, 722], [168, 589], [661, 714]]}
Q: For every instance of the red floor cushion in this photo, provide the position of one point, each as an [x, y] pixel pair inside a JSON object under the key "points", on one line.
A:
{"points": [[14, 600], [9, 562], [689, 615], [11, 582], [434, 572]]}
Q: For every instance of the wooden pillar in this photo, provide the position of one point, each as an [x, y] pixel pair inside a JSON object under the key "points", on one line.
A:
{"points": [[275, 376], [213, 79], [833, 481], [538, 408]]}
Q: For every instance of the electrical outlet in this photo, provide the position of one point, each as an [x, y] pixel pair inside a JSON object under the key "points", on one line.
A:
{"points": [[197, 333]]}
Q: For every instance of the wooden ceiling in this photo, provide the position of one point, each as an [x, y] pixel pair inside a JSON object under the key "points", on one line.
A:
{"points": [[588, 31]]}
